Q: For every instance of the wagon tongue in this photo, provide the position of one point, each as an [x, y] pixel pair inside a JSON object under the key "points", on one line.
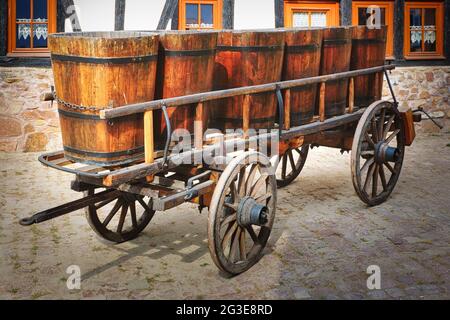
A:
{"points": [[69, 207]]}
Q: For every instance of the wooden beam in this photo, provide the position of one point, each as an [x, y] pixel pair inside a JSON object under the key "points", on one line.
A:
{"points": [[399, 28], [228, 14], [287, 110], [322, 102], [168, 12], [119, 22], [198, 126], [351, 95], [345, 9], [149, 145], [279, 13], [221, 94]]}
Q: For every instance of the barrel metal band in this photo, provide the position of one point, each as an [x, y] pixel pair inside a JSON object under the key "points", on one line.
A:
{"points": [[336, 42], [249, 48], [97, 60], [302, 48], [240, 120], [78, 115], [189, 53], [106, 155]]}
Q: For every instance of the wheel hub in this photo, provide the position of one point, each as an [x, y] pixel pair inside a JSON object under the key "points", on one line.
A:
{"points": [[251, 213], [384, 153]]}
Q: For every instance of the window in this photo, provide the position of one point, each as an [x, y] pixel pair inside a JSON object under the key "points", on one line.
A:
{"points": [[30, 22], [360, 16], [424, 24], [311, 14], [200, 14]]}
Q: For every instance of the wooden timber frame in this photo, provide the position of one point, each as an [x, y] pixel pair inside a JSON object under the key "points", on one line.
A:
{"points": [[334, 132]]}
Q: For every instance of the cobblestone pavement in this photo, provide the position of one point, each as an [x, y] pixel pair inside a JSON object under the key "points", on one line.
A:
{"points": [[323, 240]]}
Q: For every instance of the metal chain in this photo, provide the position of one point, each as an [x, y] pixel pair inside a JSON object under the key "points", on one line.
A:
{"points": [[75, 106]]}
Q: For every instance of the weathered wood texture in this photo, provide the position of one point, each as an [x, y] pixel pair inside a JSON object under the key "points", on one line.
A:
{"points": [[336, 52], [167, 13], [302, 60], [399, 29], [228, 14], [84, 77], [279, 13], [345, 9], [119, 21], [247, 58], [185, 66], [368, 50], [3, 27]]}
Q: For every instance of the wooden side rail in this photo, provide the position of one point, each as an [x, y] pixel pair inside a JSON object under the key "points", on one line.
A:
{"points": [[221, 94]]}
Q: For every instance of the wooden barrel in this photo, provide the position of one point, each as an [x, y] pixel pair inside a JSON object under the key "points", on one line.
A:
{"points": [[185, 66], [302, 60], [246, 58], [98, 70], [336, 51], [368, 50]]}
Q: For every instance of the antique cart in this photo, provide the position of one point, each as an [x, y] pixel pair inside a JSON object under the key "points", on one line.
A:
{"points": [[239, 188]]}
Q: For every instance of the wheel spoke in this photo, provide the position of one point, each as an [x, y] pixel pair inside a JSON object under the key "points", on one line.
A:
{"points": [[264, 197], [374, 131], [367, 153], [369, 139], [367, 164], [233, 191], [291, 160], [143, 204], [252, 234], [251, 177], [388, 165], [375, 181], [242, 249], [123, 215], [228, 234], [234, 249], [381, 125], [392, 136], [232, 206], [231, 218], [383, 178], [113, 212], [259, 184], [133, 214], [284, 167], [241, 182], [369, 176], [388, 126]]}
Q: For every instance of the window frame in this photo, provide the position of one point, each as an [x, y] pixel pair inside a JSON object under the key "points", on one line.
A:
{"points": [[330, 7], [439, 53], [217, 13], [12, 31], [389, 9]]}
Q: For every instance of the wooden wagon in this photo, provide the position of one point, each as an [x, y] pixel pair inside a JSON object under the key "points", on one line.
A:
{"points": [[239, 185]]}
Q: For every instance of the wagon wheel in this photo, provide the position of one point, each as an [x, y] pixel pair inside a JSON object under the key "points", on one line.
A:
{"points": [[242, 212], [120, 219], [291, 165], [377, 153]]}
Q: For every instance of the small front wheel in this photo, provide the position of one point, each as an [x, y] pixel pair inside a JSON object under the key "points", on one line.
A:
{"points": [[120, 219], [242, 212]]}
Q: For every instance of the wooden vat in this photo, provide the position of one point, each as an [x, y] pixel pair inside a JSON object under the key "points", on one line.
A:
{"points": [[98, 70], [246, 58], [302, 60], [336, 52], [368, 50], [185, 66]]}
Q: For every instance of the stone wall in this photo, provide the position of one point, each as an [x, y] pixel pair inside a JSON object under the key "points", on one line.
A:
{"points": [[426, 87], [27, 124]]}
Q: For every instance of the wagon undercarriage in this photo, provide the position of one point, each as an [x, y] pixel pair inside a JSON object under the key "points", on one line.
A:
{"points": [[239, 185]]}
